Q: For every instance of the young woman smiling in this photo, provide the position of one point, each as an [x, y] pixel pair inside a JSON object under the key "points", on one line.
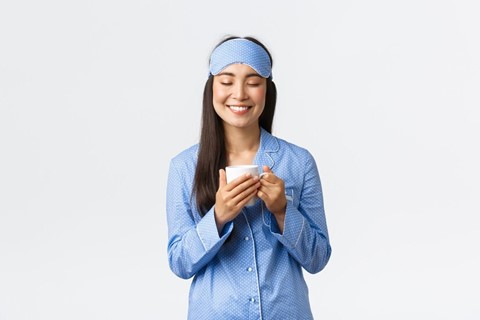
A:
{"points": [[246, 261]]}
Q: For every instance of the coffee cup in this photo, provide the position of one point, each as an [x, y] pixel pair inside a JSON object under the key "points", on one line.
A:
{"points": [[234, 172]]}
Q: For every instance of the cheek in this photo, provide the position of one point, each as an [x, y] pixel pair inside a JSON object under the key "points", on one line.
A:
{"points": [[259, 95], [219, 94]]}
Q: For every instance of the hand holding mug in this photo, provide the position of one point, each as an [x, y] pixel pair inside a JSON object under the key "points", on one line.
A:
{"points": [[233, 196], [272, 192]]}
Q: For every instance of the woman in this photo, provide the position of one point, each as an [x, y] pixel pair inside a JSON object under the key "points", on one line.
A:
{"points": [[246, 261]]}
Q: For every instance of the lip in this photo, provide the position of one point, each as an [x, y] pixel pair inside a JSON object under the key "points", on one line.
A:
{"points": [[239, 109]]}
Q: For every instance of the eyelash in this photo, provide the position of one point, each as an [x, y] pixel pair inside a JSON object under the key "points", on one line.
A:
{"points": [[249, 84]]}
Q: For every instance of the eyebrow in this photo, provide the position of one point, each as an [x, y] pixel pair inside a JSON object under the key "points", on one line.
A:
{"points": [[233, 75]]}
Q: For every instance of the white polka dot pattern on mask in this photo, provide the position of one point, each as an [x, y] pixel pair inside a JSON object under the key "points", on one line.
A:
{"points": [[241, 51]]}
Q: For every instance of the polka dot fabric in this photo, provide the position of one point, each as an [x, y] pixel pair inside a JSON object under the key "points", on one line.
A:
{"points": [[250, 271], [241, 51]]}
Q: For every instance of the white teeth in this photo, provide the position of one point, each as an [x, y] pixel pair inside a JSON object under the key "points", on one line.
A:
{"points": [[237, 108]]}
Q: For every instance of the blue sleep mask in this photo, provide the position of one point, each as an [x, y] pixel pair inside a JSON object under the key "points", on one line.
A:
{"points": [[241, 51]]}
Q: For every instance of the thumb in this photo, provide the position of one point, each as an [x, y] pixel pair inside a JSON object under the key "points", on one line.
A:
{"points": [[222, 179], [266, 169]]}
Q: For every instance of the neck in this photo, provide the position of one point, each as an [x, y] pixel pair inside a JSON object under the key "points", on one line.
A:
{"points": [[239, 140]]}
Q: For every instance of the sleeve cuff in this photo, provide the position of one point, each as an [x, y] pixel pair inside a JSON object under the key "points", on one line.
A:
{"points": [[208, 234], [292, 229]]}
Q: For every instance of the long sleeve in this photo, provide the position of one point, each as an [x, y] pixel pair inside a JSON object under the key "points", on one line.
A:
{"points": [[192, 244], [305, 234], [258, 272]]}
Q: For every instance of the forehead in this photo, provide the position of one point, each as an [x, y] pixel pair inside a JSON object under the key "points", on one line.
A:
{"points": [[239, 69]]}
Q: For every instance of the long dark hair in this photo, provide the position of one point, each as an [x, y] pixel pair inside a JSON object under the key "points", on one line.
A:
{"points": [[212, 154]]}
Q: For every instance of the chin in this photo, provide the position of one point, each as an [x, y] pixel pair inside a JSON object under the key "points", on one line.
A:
{"points": [[242, 125]]}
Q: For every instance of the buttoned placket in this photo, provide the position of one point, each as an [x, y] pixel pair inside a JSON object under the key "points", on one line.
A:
{"points": [[251, 269]]}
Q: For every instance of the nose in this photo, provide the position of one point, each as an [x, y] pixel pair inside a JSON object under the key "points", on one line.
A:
{"points": [[239, 92]]}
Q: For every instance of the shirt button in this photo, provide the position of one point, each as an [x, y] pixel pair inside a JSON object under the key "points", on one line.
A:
{"points": [[247, 238], [249, 269], [252, 300]]}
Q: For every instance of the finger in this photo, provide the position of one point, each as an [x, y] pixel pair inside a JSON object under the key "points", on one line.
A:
{"points": [[222, 179], [244, 185], [263, 194], [269, 180], [268, 174], [267, 169], [238, 181], [248, 197], [269, 190], [246, 191], [272, 191]]}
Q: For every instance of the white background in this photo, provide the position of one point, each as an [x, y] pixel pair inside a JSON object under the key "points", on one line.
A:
{"points": [[97, 96]]}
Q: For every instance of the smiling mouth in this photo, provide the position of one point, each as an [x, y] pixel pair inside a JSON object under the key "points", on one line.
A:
{"points": [[239, 109]]}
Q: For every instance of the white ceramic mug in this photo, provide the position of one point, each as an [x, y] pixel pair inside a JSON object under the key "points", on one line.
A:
{"points": [[234, 172]]}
